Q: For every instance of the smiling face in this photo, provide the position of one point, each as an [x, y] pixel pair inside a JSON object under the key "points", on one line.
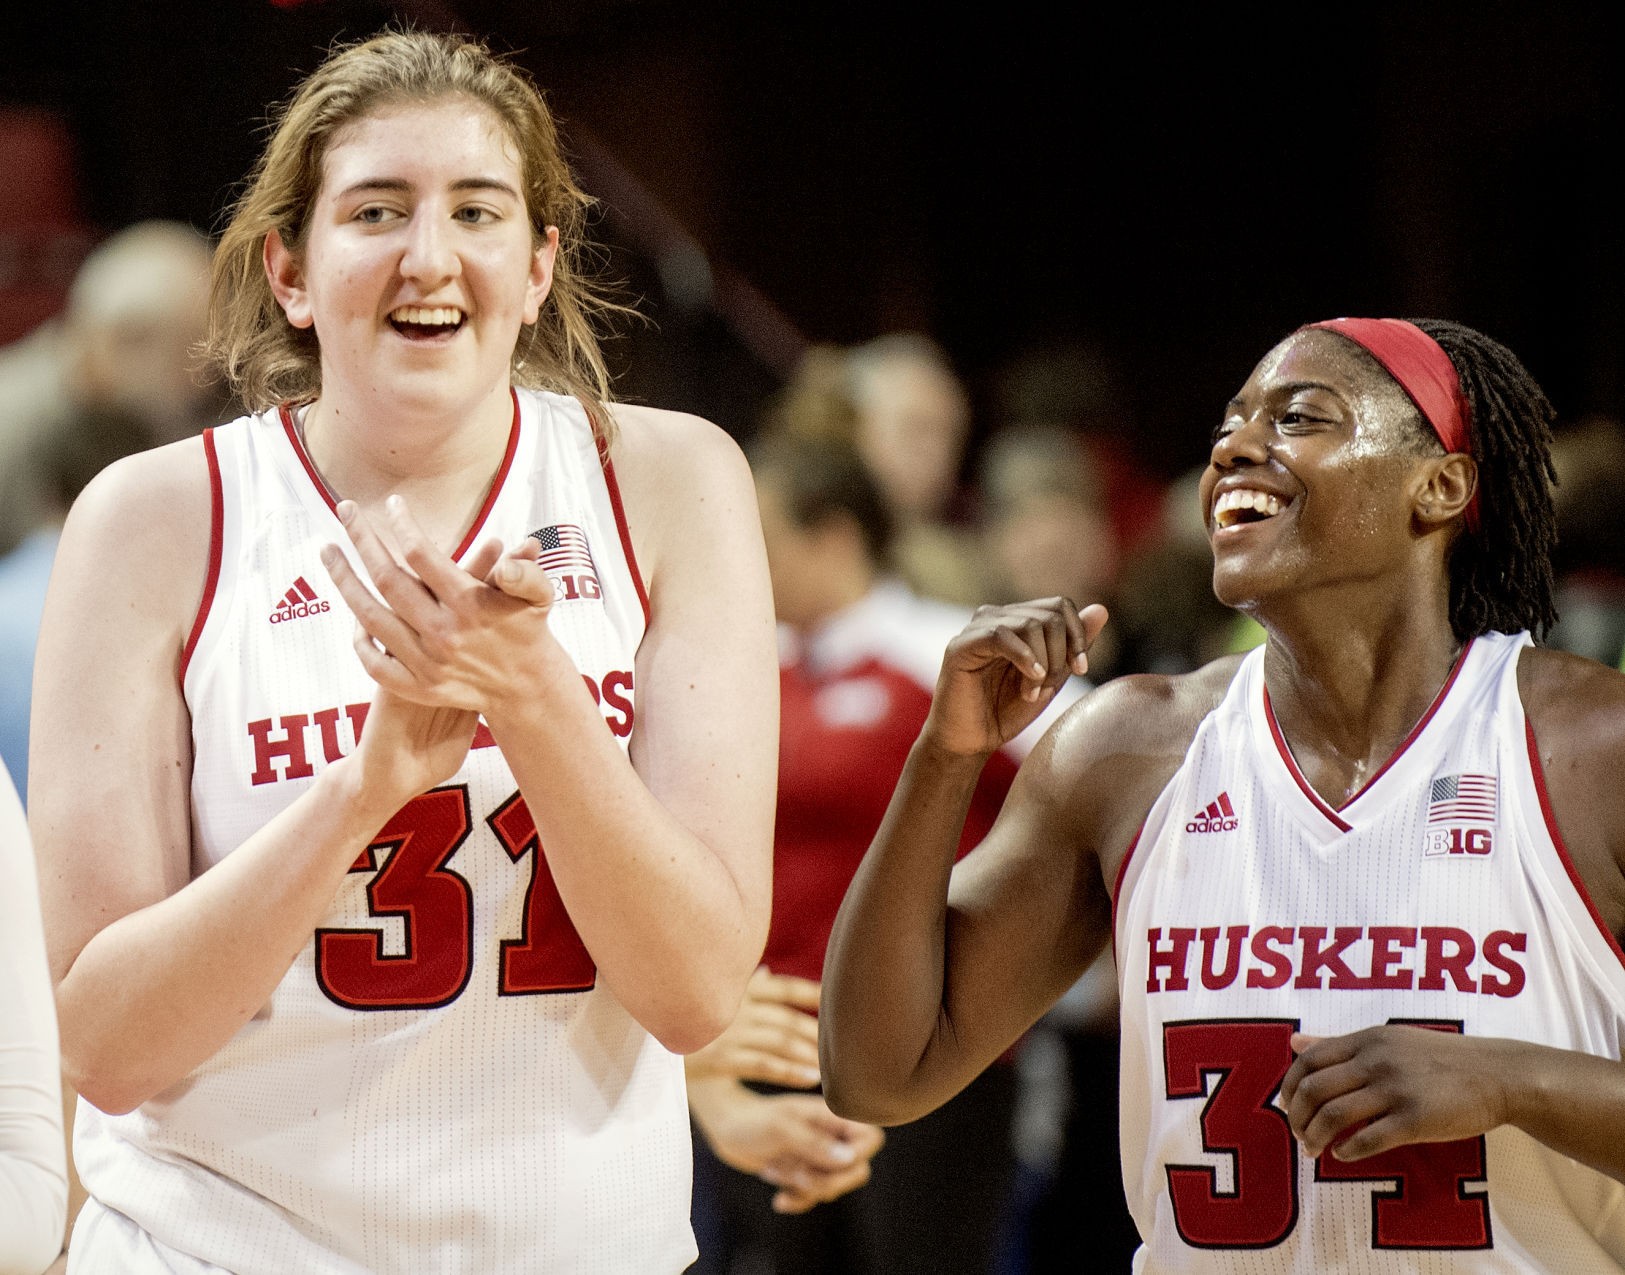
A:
{"points": [[1316, 471], [418, 266]]}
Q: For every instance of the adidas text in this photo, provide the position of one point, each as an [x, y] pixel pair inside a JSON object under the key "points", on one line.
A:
{"points": [[298, 612]]}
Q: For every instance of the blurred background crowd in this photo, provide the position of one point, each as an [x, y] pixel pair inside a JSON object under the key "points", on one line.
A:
{"points": [[972, 296]]}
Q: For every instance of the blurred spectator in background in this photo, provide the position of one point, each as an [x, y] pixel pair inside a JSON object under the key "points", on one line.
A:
{"points": [[860, 652], [898, 401], [62, 462], [112, 375], [1049, 532], [1168, 618], [1589, 456], [1072, 384], [1047, 529], [123, 344]]}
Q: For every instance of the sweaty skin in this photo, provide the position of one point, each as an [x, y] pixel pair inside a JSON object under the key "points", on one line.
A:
{"points": [[1349, 579]]}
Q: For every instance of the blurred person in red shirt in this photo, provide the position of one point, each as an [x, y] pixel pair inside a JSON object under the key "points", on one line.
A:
{"points": [[859, 656]]}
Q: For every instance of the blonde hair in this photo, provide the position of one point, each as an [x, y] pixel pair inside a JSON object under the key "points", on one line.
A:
{"points": [[265, 359]]}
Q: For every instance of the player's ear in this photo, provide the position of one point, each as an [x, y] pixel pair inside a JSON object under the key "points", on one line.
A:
{"points": [[286, 273], [542, 258], [1447, 488]]}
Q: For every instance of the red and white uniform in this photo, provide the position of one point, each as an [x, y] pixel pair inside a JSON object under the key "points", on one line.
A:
{"points": [[1441, 895], [437, 1084]]}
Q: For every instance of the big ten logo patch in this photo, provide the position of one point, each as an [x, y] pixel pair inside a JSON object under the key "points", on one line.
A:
{"points": [[572, 588], [1461, 814], [1463, 841], [566, 557]]}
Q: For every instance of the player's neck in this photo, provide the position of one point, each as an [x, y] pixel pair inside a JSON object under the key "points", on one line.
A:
{"points": [[1347, 695], [443, 473]]}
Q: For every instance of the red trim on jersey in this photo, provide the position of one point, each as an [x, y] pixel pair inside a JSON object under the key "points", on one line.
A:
{"points": [[217, 536], [620, 520], [1117, 884], [1557, 839], [1292, 765], [298, 446], [496, 483]]}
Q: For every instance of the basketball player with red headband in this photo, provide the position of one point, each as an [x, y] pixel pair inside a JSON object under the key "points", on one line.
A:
{"points": [[1364, 884]]}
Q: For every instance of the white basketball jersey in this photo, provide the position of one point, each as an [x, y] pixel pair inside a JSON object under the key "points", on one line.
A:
{"points": [[1441, 895], [437, 1085]]}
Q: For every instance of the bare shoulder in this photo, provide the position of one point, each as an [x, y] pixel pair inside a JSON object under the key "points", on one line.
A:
{"points": [[140, 527], [1102, 765], [1143, 714], [1563, 692], [153, 492], [1576, 707], [681, 478], [655, 445]]}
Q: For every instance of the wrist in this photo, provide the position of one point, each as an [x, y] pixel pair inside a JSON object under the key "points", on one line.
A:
{"points": [[356, 796], [548, 688], [933, 749]]}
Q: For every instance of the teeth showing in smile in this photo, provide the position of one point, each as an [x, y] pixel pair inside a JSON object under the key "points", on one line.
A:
{"points": [[427, 316], [1239, 505]]}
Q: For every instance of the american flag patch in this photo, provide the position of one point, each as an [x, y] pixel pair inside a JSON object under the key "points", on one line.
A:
{"points": [[564, 550], [1461, 798]]}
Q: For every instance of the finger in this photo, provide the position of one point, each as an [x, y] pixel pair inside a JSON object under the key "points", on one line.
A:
{"points": [[402, 590], [479, 564], [793, 1029], [1023, 658], [814, 1189], [1315, 1090], [382, 667], [431, 564], [756, 1064], [1383, 1134], [864, 1139], [1057, 659], [520, 576], [1343, 1118], [1092, 619], [787, 989], [377, 621], [790, 1046]]}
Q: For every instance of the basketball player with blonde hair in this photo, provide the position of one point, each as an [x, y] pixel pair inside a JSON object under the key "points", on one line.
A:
{"points": [[403, 751]]}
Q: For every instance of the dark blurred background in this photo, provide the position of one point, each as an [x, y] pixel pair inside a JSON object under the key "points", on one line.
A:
{"points": [[1165, 189], [1101, 218]]}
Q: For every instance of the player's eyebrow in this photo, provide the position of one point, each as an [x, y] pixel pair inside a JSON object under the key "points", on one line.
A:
{"points": [[1289, 387], [394, 185]]}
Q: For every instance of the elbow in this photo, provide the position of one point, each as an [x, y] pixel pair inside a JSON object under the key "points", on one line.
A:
{"points": [[866, 1104], [104, 1084], [690, 1033], [853, 1095]]}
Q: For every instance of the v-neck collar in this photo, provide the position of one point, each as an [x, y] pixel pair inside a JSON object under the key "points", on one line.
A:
{"points": [[1329, 817], [296, 441]]}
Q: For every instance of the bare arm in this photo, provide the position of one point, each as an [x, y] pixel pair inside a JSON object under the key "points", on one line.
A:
{"points": [[33, 1169], [156, 970], [934, 969], [663, 858], [1404, 1084]]}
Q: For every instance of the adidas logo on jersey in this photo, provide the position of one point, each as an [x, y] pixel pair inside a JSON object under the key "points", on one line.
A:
{"points": [[1220, 816], [299, 601]]}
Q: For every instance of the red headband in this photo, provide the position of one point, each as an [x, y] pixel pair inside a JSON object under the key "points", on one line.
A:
{"points": [[1424, 371]]}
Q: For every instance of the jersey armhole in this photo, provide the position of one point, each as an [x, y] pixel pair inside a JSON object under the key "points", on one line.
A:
{"points": [[614, 489], [1117, 885], [1550, 818], [216, 544]]}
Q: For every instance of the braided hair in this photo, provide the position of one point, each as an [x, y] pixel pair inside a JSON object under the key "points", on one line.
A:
{"points": [[1501, 575]]}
